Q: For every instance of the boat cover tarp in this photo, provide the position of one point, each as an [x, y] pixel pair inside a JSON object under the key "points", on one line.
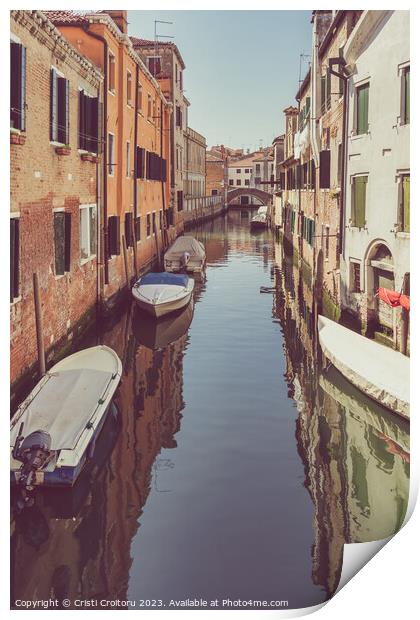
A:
{"points": [[63, 406], [185, 244], [394, 299], [173, 279], [380, 372]]}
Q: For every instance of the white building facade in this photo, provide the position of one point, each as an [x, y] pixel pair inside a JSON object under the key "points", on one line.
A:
{"points": [[376, 214]]}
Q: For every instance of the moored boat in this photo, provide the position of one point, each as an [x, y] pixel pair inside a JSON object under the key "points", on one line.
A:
{"points": [[185, 254], [378, 371], [259, 220], [162, 293], [54, 431]]}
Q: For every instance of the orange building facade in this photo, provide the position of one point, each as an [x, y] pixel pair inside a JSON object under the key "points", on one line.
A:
{"points": [[135, 147]]}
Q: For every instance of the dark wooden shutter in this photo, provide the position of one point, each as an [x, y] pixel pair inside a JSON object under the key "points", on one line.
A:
{"points": [[82, 121], [17, 86], [138, 228], [14, 258], [323, 93], [163, 176], [53, 106], [298, 176], [63, 110], [359, 202], [59, 242], [67, 241], [324, 169], [128, 223], [22, 102], [114, 235], [180, 200]]}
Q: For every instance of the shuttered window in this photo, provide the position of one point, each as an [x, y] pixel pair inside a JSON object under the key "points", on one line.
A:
{"points": [[59, 108], [111, 155], [406, 96], [17, 86], [137, 228], [324, 169], [87, 231], [405, 203], [62, 241], [128, 229], [178, 116], [358, 214], [148, 225], [114, 243], [14, 258], [180, 200], [88, 123], [362, 109]]}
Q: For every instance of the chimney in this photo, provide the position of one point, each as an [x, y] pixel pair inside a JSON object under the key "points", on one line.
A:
{"points": [[120, 18]]}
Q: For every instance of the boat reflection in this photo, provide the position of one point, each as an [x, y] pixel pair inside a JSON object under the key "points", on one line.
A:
{"points": [[157, 334], [355, 453]]}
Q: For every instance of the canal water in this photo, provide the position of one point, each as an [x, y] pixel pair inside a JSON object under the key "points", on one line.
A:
{"points": [[236, 467]]}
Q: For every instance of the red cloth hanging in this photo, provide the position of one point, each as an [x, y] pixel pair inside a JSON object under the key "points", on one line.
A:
{"points": [[394, 299]]}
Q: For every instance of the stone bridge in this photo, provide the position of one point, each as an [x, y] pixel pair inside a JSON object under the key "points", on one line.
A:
{"points": [[242, 196]]}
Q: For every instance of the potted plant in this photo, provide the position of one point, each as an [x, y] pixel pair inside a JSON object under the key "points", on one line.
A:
{"points": [[63, 150]]}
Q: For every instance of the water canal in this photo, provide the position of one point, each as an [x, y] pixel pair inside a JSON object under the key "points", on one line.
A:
{"points": [[236, 467]]}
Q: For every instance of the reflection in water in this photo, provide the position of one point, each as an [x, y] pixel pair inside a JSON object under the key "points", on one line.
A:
{"points": [[199, 487], [355, 453]]}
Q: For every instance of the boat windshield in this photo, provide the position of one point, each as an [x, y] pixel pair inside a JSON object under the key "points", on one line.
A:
{"points": [[173, 279]]}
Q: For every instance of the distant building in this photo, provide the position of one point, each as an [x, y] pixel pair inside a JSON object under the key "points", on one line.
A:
{"points": [[166, 64], [217, 173], [194, 166]]}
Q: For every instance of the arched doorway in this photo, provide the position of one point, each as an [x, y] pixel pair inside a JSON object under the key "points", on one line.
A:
{"points": [[379, 266]]}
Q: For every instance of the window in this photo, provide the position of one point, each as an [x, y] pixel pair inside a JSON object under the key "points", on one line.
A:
{"points": [[404, 210], [111, 72], [140, 163], [238, 171], [17, 86], [149, 106], [238, 181], [139, 97], [362, 109], [160, 219], [355, 277], [59, 108], [258, 169], [14, 258], [88, 132], [339, 163], [111, 154], [128, 229], [176, 73], [180, 80], [87, 231], [62, 238], [127, 161], [180, 200], [327, 242], [154, 64], [178, 116], [405, 92], [324, 169], [230, 181], [358, 206], [129, 89], [214, 192], [148, 225], [154, 223], [325, 92], [246, 181], [114, 237], [137, 228]]}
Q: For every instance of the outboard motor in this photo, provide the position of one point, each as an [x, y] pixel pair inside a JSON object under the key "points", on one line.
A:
{"points": [[34, 451]]}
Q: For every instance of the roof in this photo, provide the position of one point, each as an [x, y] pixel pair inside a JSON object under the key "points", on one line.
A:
{"points": [[147, 43], [64, 18], [240, 163]]}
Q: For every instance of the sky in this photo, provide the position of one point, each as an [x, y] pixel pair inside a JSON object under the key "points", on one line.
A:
{"points": [[242, 68]]}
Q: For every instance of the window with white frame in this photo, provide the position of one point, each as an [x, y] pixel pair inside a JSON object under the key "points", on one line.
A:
{"points": [[129, 88], [111, 72], [405, 95], [355, 277], [87, 231], [404, 202]]}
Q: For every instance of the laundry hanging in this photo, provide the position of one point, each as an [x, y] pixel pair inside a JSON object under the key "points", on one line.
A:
{"points": [[394, 299]]}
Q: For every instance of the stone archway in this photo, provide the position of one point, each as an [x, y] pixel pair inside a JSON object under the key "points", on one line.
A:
{"points": [[234, 195], [379, 272]]}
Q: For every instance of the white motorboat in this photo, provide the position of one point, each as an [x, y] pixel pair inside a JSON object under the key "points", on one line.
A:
{"points": [[161, 293], [378, 371], [54, 431], [186, 253]]}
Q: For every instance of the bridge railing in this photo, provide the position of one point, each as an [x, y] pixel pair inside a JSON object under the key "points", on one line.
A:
{"points": [[192, 203]]}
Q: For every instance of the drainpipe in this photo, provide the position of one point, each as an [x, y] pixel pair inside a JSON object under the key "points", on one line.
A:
{"points": [[339, 60], [164, 223], [104, 154]]}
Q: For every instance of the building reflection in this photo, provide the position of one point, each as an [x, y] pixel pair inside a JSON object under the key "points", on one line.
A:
{"points": [[77, 544], [355, 453]]}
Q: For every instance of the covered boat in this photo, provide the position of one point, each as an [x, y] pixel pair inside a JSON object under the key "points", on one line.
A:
{"points": [[161, 293], [186, 253], [378, 371], [260, 219], [55, 429], [157, 334]]}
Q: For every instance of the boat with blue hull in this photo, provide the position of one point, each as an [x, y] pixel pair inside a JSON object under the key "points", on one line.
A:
{"points": [[54, 432]]}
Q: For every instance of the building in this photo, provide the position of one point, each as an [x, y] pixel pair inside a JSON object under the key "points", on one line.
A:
{"points": [[194, 168], [290, 195], [55, 204], [167, 65], [377, 190], [278, 154], [262, 174], [240, 172], [217, 173]]}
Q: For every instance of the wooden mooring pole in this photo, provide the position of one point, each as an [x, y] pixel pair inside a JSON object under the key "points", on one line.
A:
{"points": [[127, 275], [133, 234], [39, 326]]}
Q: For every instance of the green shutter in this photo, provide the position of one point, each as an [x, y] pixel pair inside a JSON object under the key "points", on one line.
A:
{"points": [[406, 203], [362, 108], [407, 95], [359, 202]]}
